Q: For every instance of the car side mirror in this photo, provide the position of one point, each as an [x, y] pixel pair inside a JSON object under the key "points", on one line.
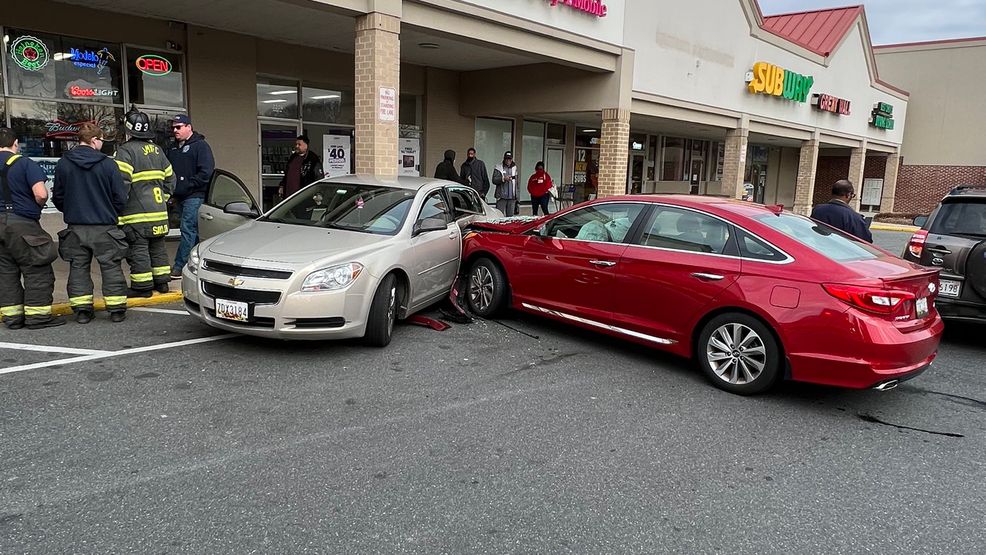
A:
{"points": [[430, 224], [239, 208], [920, 221]]}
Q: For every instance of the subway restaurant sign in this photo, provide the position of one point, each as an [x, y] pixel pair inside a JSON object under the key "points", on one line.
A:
{"points": [[777, 81], [882, 116]]}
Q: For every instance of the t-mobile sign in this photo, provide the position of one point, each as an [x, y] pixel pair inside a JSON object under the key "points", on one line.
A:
{"points": [[594, 7]]}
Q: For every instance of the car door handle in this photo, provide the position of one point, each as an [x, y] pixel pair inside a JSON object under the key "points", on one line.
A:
{"points": [[939, 250], [453, 234], [707, 277], [603, 263], [206, 216]]}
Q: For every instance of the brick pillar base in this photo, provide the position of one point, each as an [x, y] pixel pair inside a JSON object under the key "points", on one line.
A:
{"points": [[857, 161], [734, 162], [378, 54], [614, 151], [807, 163], [890, 183]]}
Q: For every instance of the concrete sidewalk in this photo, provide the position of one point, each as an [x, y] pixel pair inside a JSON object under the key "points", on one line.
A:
{"points": [[61, 268]]}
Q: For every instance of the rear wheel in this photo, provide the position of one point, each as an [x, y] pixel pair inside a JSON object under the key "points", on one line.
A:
{"points": [[487, 288], [975, 269], [739, 354], [383, 313]]}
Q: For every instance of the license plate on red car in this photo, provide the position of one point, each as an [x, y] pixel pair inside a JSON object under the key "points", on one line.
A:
{"points": [[922, 307]]}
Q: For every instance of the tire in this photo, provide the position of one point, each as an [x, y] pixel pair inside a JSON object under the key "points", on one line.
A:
{"points": [[975, 269], [751, 367], [486, 288], [383, 313]]}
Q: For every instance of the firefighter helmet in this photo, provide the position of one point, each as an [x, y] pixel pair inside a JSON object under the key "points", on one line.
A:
{"points": [[138, 124]]}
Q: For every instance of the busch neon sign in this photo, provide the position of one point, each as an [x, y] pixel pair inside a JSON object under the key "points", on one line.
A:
{"points": [[594, 7], [156, 66]]}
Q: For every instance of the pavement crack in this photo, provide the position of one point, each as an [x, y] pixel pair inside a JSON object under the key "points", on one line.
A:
{"points": [[522, 332], [542, 361], [875, 420], [967, 401]]}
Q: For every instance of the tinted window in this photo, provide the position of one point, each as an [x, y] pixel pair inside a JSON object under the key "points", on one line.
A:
{"points": [[685, 230], [755, 249], [608, 222], [819, 238], [464, 201], [961, 218], [355, 207]]}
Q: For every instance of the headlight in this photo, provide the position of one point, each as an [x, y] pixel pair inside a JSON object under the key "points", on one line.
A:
{"points": [[193, 260], [332, 278]]}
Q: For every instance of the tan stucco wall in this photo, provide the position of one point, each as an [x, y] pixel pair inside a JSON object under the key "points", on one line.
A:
{"points": [[946, 114], [54, 17], [445, 128], [538, 88]]}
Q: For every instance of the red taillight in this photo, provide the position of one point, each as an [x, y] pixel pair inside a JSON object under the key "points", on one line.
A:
{"points": [[916, 244], [871, 299]]}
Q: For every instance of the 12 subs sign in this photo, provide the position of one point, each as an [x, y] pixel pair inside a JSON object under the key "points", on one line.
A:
{"points": [[335, 155]]}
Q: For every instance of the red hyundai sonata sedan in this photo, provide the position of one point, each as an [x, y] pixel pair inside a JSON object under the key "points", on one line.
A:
{"points": [[753, 293]]}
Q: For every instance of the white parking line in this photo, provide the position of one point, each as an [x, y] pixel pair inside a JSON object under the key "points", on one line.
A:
{"points": [[49, 349], [161, 310], [110, 354]]}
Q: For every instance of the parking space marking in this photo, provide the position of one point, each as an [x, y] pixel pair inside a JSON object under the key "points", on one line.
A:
{"points": [[111, 354], [161, 310], [49, 349]]}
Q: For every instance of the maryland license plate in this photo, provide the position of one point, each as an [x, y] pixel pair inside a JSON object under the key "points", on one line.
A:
{"points": [[922, 307], [232, 310], [949, 288]]}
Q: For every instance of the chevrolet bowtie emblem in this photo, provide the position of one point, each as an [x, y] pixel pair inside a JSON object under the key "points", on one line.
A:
{"points": [[235, 282]]}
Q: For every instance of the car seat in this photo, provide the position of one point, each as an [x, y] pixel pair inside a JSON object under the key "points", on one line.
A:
{"points": [[593, 230], [689, 229], [715, 235]]}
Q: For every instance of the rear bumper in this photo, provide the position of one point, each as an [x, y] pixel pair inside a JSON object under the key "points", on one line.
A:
{"points": [[963, 311]]}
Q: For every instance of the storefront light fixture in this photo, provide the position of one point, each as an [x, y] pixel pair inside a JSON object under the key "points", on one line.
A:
{"points": [[429, 45], [59, 56], [324, 96], [589, 130], [274, 101], [286, 91]]}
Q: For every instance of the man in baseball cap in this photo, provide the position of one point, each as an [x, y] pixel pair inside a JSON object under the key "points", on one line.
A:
{"points": [[193, 163]]}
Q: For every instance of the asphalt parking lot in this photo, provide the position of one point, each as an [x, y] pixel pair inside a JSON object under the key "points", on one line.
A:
{"points": [[162, 435]]}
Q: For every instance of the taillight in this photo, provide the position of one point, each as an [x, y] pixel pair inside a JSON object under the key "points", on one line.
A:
{"points": [[871, 299], [916, 244]]}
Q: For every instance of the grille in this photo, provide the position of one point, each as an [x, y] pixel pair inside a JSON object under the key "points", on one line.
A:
{"points": [[309, 323], [215, 290], [234, 270]]}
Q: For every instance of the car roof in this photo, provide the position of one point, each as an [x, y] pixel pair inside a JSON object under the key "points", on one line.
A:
{"points": [[708, 203], [967, 191], [401, 182]]}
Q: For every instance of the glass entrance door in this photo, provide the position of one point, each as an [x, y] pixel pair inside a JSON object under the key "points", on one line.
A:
{"points": [[276, 146]]}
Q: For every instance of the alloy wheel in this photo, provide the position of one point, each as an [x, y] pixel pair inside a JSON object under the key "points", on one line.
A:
{"points": [[736, 354], [481, 288]]}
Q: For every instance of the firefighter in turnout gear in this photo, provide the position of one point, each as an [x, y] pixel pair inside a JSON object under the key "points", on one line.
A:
{"points": [[90, 193], [26, 250], [148, 176]]}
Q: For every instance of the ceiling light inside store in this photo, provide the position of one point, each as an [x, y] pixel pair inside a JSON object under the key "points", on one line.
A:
{"points": [[430, 45], [58, 56], [290, 91], [275, 101], [589, 130], [324, 96]]}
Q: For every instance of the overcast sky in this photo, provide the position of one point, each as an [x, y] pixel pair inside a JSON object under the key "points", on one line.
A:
{"points": [[892, 21]]}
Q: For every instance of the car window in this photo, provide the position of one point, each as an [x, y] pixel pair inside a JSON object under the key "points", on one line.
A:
{"points": [[351, 206], [465, 201], [225, 190], [609, 222], [434, 207], [686, 230], [820, 238], [961, 218], [755, 249]]}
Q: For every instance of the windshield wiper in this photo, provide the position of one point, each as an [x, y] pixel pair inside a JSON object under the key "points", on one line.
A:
{"points": [[331, 225]]}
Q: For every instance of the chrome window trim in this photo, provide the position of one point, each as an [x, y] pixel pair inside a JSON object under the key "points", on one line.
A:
{"points": [[631, 333]]}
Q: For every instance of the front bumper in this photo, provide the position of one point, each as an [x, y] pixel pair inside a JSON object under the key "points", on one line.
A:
{"points": [[295, 315]]}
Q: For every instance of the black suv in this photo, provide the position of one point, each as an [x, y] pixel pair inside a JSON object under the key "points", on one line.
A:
{"points": [[953, 238]]}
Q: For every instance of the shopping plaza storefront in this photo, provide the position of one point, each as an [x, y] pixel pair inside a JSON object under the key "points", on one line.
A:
{"points": [[743, 105]]}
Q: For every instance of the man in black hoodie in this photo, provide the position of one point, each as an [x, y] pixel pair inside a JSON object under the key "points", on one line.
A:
{"points": [[90, 193], [446, 169], [193, 164]]}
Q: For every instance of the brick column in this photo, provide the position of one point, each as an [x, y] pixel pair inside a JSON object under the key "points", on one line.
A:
{"points": [[378, 54], [890, 182], [614, 147], [807, 164], [857, 161], [734, 162]]}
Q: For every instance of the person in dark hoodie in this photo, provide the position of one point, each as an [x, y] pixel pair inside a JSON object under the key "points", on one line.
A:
{"points": [[193, 164], [446, 169], [89, 192]]}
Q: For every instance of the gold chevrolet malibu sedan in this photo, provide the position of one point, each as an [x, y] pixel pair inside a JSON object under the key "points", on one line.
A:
{"points": [[344, 257]]}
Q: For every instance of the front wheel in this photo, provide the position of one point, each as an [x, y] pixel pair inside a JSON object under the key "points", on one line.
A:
{"points": [[487, 288], [739, 354], [383, 313]]}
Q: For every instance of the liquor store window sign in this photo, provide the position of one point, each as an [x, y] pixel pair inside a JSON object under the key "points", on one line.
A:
{"points": [[42, 65]]}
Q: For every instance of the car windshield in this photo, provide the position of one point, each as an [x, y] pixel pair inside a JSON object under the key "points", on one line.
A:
{"points": [[351, 206], [961, 218], [819, 237]]}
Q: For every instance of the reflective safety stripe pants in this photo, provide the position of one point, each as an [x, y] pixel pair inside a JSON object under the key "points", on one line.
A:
{"points": [[25, 250], [108, 244], [148, 257]]}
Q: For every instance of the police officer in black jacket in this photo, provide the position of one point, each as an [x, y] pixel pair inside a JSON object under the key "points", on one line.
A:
{"points": [[26, 250], [837, 212]]}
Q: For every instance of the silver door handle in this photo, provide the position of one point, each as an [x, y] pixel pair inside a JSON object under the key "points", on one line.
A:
{"points": [[452, 235], [206, 216], [603, 263], [707, 277]]}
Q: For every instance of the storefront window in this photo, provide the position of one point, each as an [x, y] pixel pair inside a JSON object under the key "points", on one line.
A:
{"points": [[54, 67], [277, 98], [48, 129], [493, 138], [672, 159], [533, 149], [155, 78], [327, 106], [555, 134]]}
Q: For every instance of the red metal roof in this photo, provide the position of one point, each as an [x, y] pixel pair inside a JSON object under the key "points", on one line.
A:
{"points": [[819, 31]]}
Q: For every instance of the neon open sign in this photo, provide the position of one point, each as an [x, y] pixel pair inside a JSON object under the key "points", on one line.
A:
{"points": [[153, 65]]}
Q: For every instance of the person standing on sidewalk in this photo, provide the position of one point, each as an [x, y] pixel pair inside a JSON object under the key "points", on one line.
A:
{"points": [[90, 193], [193, 163], [26, 250], [505, 179], [539, 186], [838, 214], [473, 172], [149, 180], [304, 168]]}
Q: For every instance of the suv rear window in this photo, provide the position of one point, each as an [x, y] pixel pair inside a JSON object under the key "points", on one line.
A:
{"points": [[819, 237], [960, 218]]}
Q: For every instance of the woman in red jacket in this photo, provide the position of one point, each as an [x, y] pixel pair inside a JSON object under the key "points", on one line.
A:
{"points": [[539, 186]]}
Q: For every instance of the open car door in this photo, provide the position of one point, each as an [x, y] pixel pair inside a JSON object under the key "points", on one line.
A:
{"points": [[228, 205]]}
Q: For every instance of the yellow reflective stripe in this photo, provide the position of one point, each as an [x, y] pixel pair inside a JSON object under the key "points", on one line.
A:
{"points": [[12, 310], [168, 172], [161, 270], [80, 301], [146, 276], [149, 175], [37, 310], [143, 218], [115, 300], [13, 159], [125, 167]]}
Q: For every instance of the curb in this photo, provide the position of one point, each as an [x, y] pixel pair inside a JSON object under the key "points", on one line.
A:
{"points": [[894, 227], [98, 304]]}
